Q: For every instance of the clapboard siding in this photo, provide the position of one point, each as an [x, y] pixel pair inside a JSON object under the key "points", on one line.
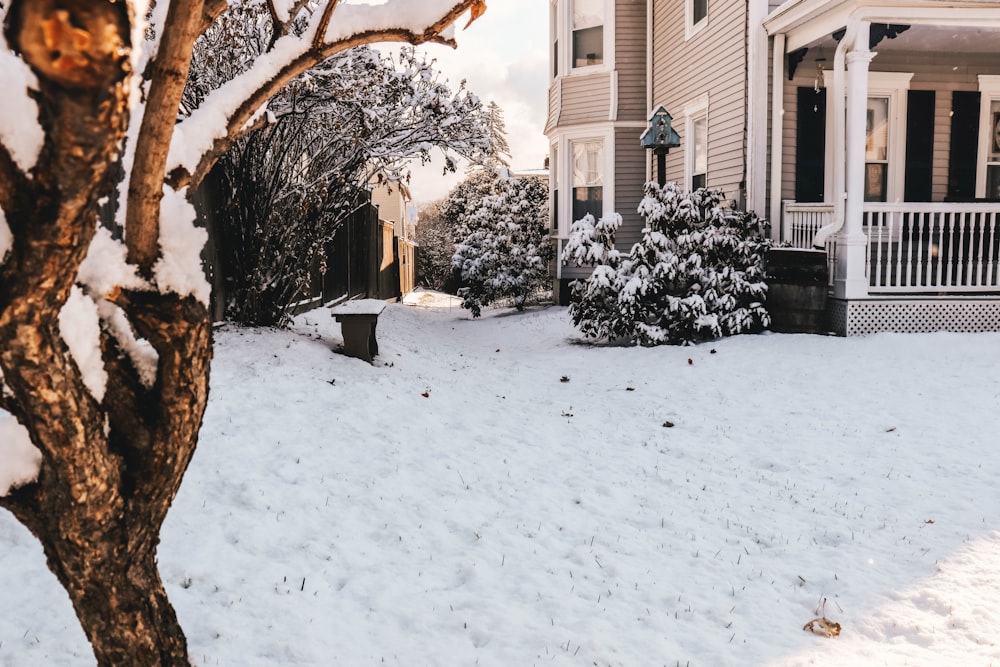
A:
{"points": [[942, 73], [585, 99], [630, 175], [713, 61], [553, 106], [630, 59]]}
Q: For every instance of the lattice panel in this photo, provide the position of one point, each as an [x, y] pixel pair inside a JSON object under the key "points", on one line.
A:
{"points": [[836, 313], [860, 318]]}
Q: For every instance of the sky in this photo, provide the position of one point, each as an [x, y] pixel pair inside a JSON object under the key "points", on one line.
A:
{"points": [[499, 492], [503, 57]]}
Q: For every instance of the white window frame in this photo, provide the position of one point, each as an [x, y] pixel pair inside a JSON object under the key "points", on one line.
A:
{"points": [[562, 171], [563, 32], [989, 92], [693, 111], [690, 27], [555, 40], [894, 87]]}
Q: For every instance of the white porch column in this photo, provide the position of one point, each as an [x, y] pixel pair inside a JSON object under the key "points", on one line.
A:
{"points": [[851, 282], [777, 113]]}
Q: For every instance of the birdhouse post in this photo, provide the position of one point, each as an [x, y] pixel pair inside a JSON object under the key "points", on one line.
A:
{"points": [[660, 137]]}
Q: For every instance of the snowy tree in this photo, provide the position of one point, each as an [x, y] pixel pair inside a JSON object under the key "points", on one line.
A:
{"points": [[506, 250], [289, 186], [465, 197], [435, 246], [106, 346], [496, 130], [697, 273]]}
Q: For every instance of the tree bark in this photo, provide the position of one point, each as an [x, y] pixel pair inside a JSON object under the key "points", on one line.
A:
{"points": [[110, 468]]}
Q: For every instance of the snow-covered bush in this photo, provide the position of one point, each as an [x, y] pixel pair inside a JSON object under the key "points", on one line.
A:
{"points": [[506, 249], [697, 273]]}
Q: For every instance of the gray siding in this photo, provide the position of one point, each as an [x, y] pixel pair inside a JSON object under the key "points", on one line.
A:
{"points": [[713, 61], [630, 175], [942, 73], [585, 99], [630, 59]]}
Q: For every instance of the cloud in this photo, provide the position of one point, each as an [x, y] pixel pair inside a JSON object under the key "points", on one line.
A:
{"points": [[503, 57]]}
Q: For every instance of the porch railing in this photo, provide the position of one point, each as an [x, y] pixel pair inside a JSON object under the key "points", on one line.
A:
{"points": [[801, 221], [914, 247], [799, 224], [932, 247]]}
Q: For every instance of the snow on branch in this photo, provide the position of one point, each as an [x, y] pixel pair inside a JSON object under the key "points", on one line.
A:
{"points": [[330, 28]]}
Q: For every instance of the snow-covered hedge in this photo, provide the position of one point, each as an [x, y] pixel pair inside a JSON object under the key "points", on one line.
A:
{"points": [[697, 274]]}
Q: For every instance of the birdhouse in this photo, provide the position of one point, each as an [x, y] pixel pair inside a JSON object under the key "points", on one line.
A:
{"points": [[660, 134]]}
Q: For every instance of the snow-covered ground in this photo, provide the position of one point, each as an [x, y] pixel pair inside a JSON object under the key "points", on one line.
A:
{"points": [[497, 492]]}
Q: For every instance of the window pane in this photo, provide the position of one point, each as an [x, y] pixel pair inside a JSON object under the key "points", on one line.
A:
{"points": [[875, 181], [587, 162], [588, 200], [588, 14], [877, 129], [588, 46], [993, 182], [698, 181], [700, 145], [699, 10], [588, 32]]}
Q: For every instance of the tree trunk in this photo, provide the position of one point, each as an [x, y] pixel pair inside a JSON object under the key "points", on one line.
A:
{"points": [[111, 465], [120, 601]]}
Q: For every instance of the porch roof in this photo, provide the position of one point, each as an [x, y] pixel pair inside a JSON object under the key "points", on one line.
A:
{"points": [[804, 22]]}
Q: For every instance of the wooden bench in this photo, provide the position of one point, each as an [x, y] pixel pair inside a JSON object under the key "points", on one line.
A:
{"points": [[357, 323]]}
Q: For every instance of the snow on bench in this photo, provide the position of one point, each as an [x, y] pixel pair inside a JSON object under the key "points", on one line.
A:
{"points": [[358, 319]]}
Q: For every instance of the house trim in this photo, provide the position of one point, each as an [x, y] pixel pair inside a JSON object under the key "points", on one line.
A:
{"points": [[755, 170]]}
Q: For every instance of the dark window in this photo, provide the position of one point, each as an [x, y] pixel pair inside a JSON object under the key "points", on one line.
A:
{"points": [[588, 46], [699, 11], [555, 211]]}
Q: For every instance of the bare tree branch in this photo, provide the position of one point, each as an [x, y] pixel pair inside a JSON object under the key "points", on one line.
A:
{"points": [[212, 10], [169, 74], [324, 23]]}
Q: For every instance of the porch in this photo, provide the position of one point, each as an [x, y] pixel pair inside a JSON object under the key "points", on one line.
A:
{"points": [[927, 266], [885, 150]]}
